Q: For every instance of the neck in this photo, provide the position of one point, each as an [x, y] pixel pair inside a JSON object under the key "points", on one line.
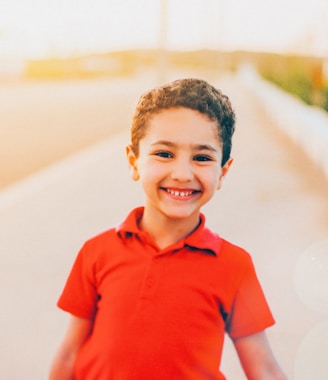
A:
{"points": [[165, 231]]}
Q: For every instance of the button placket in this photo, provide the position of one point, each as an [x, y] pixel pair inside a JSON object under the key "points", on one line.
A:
{"points": [[151, 279]]}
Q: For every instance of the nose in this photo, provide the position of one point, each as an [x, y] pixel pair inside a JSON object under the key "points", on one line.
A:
{"points": [[182, 170]]}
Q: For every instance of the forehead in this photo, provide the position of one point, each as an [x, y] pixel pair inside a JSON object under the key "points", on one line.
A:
{"points": [[183, 124]]}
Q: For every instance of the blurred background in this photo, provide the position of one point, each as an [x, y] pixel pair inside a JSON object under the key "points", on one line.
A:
{"points": [[55, 42], [71, 72]]}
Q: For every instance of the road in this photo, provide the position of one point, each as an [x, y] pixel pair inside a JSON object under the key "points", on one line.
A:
{"points": [[274, 203]]}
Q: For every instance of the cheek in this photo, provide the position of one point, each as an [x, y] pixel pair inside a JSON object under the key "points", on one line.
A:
{"points": [[215, 184], [211, 179], [151, 171]]}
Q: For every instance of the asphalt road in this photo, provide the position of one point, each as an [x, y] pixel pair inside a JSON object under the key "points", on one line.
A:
{"points": [[274, 203]]}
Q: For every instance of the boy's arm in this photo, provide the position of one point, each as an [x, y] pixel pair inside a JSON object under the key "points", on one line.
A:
{"points": [[257, 358], [63, 364]]}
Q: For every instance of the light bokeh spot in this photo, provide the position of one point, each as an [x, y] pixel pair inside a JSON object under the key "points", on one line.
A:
{"points": [[311, 359], [311, 277]]}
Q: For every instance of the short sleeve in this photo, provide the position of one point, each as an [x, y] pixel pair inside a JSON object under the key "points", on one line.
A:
{"points": [[79, 296], [250, 311]]}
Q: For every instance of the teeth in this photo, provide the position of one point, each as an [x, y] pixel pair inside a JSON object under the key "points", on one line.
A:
{"points": [[179, 193]]}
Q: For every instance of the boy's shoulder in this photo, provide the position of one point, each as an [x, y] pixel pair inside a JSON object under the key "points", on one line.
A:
{"points": [[97, 249], [226, 253], [224, 248], [230, 248], [234, 254], [102, 238]]}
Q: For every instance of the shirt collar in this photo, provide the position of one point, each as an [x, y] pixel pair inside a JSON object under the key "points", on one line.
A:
{"points": [[201, 239], [131, 223]]}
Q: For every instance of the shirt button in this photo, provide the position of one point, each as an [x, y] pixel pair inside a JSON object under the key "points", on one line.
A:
{"points": [[149, 282]]}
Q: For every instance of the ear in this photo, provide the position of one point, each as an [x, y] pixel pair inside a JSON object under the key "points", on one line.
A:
{"points": [[224, 170], [132, 161]]}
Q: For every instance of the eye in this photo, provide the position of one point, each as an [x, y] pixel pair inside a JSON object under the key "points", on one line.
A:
{"points": [[164, 154], [202, 158]]}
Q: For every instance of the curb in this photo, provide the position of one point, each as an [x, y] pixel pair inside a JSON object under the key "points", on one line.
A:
{"points": [[307, 126]]}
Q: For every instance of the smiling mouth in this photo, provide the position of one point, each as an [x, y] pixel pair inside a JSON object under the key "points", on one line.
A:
{"points": [[181, 193]]}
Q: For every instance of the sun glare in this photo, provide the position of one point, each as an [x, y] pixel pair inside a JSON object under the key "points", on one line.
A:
{"points": [[43, 28]]}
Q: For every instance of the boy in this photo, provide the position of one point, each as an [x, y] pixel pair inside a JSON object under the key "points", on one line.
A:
{"points": [[153, 298]]}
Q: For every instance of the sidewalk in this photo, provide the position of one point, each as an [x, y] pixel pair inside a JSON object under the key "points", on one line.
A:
{"points": [[274, 203]]}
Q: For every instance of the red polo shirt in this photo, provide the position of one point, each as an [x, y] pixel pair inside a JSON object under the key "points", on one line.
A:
{"points": [[161, 314]]}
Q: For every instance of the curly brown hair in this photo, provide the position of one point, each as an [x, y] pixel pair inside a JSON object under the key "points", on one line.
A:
{"points": [[195, 94]]}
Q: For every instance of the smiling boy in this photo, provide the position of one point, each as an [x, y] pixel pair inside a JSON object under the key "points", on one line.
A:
{"points": [[154, 297]]}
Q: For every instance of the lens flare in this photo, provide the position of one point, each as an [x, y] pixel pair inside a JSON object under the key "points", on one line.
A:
{"points": [[311, 277], [311, 358]]}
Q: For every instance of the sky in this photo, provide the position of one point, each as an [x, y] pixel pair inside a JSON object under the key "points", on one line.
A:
{"points": [[43, 28]]}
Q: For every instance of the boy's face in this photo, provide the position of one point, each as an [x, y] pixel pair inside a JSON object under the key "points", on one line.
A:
{"points": [[179, 163]]}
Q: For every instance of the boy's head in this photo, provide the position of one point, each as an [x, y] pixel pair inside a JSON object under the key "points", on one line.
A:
{"points": [[195, 94]]}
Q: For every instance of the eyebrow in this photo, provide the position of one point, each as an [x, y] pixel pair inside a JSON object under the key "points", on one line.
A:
{"points": [[196, 147]]}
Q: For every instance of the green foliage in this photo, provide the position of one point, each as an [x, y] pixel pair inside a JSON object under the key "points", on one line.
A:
{"points": [[295, 84], [325, 103], [300, 76]]}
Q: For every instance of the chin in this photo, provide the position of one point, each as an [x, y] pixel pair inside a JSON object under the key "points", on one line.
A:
{"points": [[180, 214]]}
